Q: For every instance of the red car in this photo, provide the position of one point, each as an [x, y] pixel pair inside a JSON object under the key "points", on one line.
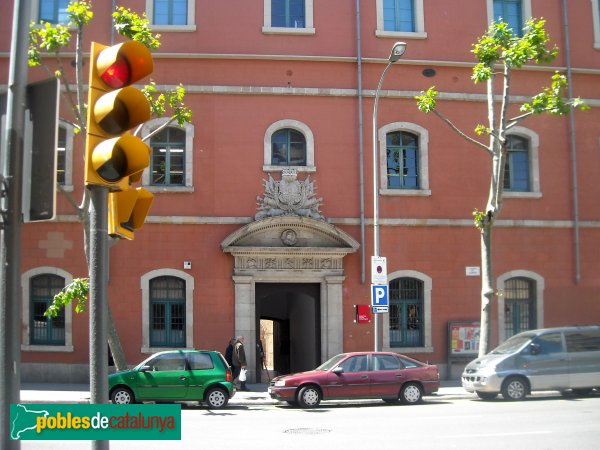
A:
{"points": [[384, 375]]}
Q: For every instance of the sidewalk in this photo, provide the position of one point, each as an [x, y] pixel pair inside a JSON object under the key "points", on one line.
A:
{"points": [[80, 393]]}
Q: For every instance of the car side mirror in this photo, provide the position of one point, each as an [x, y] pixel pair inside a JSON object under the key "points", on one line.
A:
{"points": [[338, 370], [534, 349], [145, 369]]}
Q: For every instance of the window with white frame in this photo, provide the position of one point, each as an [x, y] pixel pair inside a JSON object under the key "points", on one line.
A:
{"points": [[521, 300], [404, 159], [288, 17], [52, 11], [171, 15], [522, 174], [289, 143], [409, 317], [171, 160], [64, 155], [167, 310], [400, 18], [596, 22], [40, 333], [514, 12]]}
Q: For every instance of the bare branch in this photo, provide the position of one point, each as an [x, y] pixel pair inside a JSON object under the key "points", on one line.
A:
{"points": [[460, 133]]}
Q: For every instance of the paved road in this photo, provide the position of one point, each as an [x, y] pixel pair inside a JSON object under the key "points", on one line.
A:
{"points": [[542, 422]]}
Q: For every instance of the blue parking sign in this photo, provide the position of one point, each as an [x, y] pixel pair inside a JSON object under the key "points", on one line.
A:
{"points": [[379, 295]]}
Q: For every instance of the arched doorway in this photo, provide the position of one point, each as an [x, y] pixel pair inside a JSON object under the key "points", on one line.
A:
{"points": [[284, 266]]}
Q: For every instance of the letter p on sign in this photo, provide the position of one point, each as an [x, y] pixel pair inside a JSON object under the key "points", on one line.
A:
{"points": [[379, 295]]}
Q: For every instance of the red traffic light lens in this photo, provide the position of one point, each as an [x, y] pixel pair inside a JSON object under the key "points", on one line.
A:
{"points": [[117, 74]]}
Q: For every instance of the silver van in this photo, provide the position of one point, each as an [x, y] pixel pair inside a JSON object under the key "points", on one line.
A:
{"points": [[566, 359]]}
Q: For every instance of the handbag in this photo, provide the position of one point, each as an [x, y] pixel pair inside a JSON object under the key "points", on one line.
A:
{"points": [[242, 376]]}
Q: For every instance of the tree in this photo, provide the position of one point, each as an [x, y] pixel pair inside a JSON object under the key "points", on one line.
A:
{"points": [[48, 39], [498, 52]]}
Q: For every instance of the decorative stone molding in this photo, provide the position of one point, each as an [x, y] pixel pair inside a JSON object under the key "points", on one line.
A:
{"points": [[288, 197]]}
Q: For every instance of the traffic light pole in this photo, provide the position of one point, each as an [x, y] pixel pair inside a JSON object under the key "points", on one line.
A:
{"points": [[10, 235], [98, 303]]}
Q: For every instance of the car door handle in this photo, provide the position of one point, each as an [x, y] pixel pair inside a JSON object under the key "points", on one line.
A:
{"points": [[364, 377], [399, 375], [183, 378]]}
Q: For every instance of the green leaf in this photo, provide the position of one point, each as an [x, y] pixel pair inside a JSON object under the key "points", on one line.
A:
{"points": [[77, 291], [427, 101], [132, 26]]}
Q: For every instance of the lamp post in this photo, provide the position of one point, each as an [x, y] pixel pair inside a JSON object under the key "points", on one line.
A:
{"points": [[397, 51]]}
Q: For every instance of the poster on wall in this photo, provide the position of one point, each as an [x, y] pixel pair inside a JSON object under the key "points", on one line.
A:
{"points": [[463, 339]]}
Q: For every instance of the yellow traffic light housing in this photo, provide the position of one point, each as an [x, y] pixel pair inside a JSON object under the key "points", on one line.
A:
{"points": [[127, 211], [114, 107]]}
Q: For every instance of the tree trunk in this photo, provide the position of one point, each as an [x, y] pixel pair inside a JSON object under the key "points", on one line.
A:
{"points": [[115, 344], [487, 288]]}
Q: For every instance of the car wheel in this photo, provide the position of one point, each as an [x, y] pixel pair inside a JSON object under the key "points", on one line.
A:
{"points": [[122, 396], [486, 395], [514, 388], [309, 397], [411, 393], [216, 398]]}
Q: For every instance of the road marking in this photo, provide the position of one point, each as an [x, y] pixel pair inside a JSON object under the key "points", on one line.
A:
{"points": [[484, 435]]}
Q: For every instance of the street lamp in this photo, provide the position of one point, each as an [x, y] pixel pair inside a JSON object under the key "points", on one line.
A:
{"points": [[397, 51]]}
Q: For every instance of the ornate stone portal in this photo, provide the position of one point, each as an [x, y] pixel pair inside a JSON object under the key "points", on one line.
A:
{"points": [[290, 242]]}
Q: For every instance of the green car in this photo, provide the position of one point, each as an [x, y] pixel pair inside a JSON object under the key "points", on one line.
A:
{"points": [[175, 375]]}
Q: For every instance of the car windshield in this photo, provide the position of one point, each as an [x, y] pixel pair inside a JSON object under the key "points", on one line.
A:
{"points": [[512, 345], [331, 363]]}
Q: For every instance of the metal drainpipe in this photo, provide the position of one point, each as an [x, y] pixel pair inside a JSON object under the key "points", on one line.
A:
{"points": [[360, 147], [573, 142]]}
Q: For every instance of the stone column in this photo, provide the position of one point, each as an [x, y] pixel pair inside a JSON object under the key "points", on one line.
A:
{"points": [[245, 316]]}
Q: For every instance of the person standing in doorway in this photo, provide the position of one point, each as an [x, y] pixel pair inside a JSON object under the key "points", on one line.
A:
{"points": [[239, 361]]}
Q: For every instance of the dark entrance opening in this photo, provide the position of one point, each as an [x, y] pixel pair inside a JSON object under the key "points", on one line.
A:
{"points": [[288, 327]]}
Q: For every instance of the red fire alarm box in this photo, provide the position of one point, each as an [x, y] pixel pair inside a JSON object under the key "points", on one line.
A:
{"points": [[363, 314]]}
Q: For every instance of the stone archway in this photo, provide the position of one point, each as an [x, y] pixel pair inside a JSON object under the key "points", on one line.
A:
{"points": [[289, 249]]}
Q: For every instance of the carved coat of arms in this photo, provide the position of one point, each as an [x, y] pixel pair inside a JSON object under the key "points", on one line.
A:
{"points": [[288, 197]]}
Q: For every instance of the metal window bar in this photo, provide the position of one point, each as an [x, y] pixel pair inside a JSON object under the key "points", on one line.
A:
{"points": [[167, 321], [406, 312], [519, 306]]}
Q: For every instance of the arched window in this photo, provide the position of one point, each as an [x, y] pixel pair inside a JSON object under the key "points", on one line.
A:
{"points": [[288, 148], [44, 330], [403, 159], [519, 305], [167, 312], [406, 312], [167, 167], [289, 143], [402, 154], [516, 172]]}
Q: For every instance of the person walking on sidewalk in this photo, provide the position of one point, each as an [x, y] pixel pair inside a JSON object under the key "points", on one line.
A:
{"points": [[239, 362]]}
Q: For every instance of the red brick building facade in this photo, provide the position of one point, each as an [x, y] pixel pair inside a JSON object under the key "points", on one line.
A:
{"points": [[280, 85]]}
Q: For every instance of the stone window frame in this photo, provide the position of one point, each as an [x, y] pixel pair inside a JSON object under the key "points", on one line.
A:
{"points": [[534, 164], [539, 300], [26, 345], [70, 133], [419, 19], [427, 339], [310, 145], [423, 135], [191, 18], [526, 13], [148, 128], [189, 308], [308, 29], [596, 22]]}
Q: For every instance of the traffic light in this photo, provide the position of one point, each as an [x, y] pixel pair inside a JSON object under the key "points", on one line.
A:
{"points": [[114, 158], [127, 211], [114, 107]]}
